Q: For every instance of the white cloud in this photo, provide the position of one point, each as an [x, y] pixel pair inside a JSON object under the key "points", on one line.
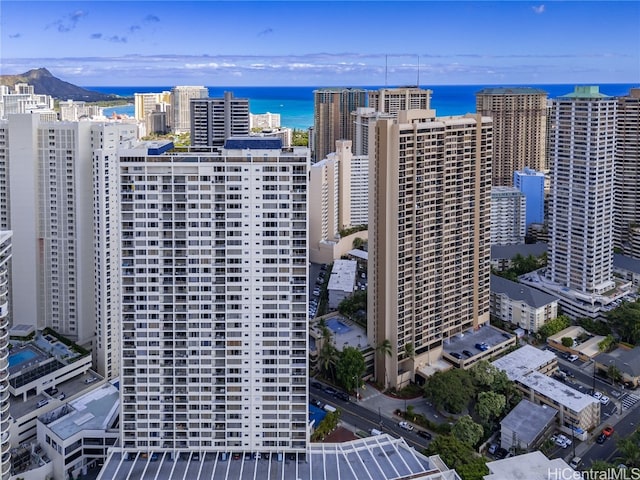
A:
{"points": [[538, 9]]}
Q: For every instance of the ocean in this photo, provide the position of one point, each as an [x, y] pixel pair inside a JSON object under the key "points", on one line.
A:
{"points": [[295, 104]]}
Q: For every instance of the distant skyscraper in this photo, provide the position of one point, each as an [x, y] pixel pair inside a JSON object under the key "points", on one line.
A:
{"points": [[429, 237], [519, 129], [47, 199], [215, 334], [332, 121], [145, 103], [5, 421], [627, 183], [213, 120], [582, 173], [181, 106], [531, 184], [508, 213], [365, 119]]}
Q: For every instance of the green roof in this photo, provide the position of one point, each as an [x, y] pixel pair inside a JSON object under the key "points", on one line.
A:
{"points": [[591, 91]]}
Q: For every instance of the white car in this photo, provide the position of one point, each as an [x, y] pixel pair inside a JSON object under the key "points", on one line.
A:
{"points": [[566, 440], [572, 358], [597, 395], [604, 400], [561, 443], [406, 426]]}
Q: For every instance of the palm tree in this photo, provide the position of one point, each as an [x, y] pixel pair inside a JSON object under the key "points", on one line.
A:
{"points": [[409, 350], [385, 347]]}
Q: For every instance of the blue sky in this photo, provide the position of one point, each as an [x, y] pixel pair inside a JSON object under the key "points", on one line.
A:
{"points": [[246, 43]]}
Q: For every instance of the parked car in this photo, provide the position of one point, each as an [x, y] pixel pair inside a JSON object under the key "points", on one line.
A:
{"points": [[575, 463], [482, 346], [456, 355], [316, 385], [330, 391], [597, 395], [492, 448], [572, 358], [424, 434], [467, 353], [406, 426], [343, 396], [601, 438], [501, 453], [604, 400], [607, 431], [566, 440]]}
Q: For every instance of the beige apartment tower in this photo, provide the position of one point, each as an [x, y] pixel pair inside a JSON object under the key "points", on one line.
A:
{"points": [[429, 237], [332, 119], [519, 129]]}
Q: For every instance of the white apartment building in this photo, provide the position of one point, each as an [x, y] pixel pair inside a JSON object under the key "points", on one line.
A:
{"points": [[339, 185], [181, 106], [341, 282], [508, 216], [22, 99], [364, 121], [521, 305], [5, 417], [72, 111], [215, 302], [48, 199], [429, 244], [582, 153], [213, 120], [264, 120]]}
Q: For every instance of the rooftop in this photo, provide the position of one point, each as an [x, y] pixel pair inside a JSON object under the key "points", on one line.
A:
{"points": [[380, 457], [94, 411], [487, 334], [557, 391], [627, 360], [254, 143], [343, 275], [518, 291], [524, 249], [511, 91], [530, 466], [528, 420], [626, 263], [358, 254], [501, 191], [522, 361], [585, 92]]}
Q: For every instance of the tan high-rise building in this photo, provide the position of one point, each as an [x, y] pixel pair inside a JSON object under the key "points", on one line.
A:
{"points": [[519, 129], [626, 228], [393, 100], [332, 119], [181, 106], [429, 237]]}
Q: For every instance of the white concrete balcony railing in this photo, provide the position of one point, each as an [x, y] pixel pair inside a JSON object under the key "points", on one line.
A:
{"points": [[4, 406], [4, 307], [5, 426]]}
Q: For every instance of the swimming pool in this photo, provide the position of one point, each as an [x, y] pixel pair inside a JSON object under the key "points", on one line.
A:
{"points": [[337, 326], [21, 357]]}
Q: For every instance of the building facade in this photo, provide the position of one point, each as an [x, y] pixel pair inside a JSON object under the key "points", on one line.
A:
{"points": [[55, 225], [429, 237], [394, 100], [215, 333], [531, 183], [332, 120], [582, 146], [181, 106], [519, 129], [508, 216], [627, 188], [213, 120], [146, 103], [5, 418]]}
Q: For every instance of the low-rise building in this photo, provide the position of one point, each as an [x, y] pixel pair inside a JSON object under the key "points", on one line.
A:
{"points": [[341, 282], [502, 255], [77, 435], [526, 425], [627, 268], [529, 368], [520, 304], [585, 344], [625, 360], [530, 466]]}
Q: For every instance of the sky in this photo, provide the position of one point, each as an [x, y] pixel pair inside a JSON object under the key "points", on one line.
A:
{"points": [[325, 43]]}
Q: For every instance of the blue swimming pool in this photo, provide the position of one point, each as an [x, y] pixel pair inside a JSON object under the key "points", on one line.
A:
{"points": [[337, 327], [21, 357]]}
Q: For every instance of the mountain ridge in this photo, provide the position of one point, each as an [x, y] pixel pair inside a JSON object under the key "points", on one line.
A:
{"points": [[45, 83]]}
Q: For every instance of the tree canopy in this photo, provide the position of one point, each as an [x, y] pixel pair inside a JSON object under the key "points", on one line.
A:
{"points": [[490, 405], [467, 431], [626, 321], [459, 456], [553, 326], [350, 368], [451, 390]]}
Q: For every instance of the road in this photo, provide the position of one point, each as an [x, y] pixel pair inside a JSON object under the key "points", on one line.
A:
{"points": [[364, 419]]}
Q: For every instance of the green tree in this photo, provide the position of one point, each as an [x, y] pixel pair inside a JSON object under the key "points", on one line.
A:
{"points": [[410, 413], [357, 243], [607, 343], [614, 373], [459, 456], [553, 326], [300, 138], [594, 326], [350, 368], [385, 347], [490, 405], [409, 350], [601, 466], [626, 321], [467, 431], [451, 390], [629, 450], [567, 341]]}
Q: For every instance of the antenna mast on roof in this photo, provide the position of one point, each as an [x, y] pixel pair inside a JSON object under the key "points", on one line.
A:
{"points": [[386, 59]]}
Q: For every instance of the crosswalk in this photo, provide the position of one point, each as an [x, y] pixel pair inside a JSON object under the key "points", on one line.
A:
{"points": [[628, 400]]}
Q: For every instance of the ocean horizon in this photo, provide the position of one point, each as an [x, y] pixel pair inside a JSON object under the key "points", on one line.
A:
{"points": [[295, 104]]}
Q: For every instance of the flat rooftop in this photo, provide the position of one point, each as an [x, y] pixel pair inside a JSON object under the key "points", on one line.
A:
{"points": [[467, 341], [557, 391], [524, 249], [94, 411], [379, 457], [530, 466], [522, 361], [343, 275], [528, 420]]}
